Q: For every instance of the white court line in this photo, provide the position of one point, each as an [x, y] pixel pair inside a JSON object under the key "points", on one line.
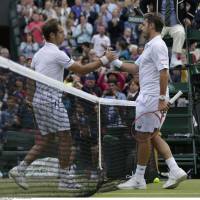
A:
{"points": [[192, 193]]}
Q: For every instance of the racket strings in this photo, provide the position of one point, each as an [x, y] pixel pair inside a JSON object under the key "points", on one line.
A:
{"points": [[133, 131]]}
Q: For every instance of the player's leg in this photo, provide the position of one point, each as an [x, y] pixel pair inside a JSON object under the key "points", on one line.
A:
{"points": [[176, 174], [145, 126], [18, 173], [143, 154], [64, 149], [95, 154], [66, 175]]}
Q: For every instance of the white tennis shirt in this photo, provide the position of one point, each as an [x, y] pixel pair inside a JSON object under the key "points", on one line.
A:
{"points": [[50, 113], [51, 61], [153, 59]]}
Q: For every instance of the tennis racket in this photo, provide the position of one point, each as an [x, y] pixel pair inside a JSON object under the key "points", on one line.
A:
{"points": [[160, 116]]}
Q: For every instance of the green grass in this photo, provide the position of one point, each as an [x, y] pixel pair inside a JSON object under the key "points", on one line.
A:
{"points": [[189, 188], [48, 188]]}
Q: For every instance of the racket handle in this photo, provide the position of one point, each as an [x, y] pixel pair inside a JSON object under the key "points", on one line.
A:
{"points": [[175, 97]]}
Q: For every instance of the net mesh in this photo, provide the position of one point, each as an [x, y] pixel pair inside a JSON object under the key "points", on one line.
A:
{"points": [[103, 150]]}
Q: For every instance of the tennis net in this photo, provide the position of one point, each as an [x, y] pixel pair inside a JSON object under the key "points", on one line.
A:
{"points": [[103, 148]]}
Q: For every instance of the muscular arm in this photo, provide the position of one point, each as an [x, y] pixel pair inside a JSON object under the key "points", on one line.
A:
{"points": [[84, 69], [164, 77], [130, 68]]}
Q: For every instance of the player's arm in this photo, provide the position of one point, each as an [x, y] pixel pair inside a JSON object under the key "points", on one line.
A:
{"points": [[164, 78], [161, 61], [84, 69], [131, 68]]}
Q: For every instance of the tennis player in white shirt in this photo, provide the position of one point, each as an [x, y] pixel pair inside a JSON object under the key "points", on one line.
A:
{"points": [[50, 115], [153, 67]]}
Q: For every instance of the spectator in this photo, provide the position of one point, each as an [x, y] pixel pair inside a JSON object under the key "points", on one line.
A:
{"points": [[27, 6], [94, 11], [115, 27], [63, 15], [91, 87], [104, 16], [70, 28], [85, 48], [100, 41], [195, 52], [83, 32], [49, 11], [134, 52], [77, 9], [28, 48], [122, 50], [111, 76], [132, 90], [35, 28], [132, 16], [9, 116], [128, 36], [92, 55], [112, 112], [28, 62], [23, 21], [175, 15], [22, 60], [111, 4], [19, 92], [4, 52]]}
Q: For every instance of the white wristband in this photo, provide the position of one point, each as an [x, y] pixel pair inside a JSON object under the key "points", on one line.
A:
{"points": [[117, 63], [104, 60]]}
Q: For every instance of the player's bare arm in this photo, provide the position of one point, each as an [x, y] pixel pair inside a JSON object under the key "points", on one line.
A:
{"points": [[127, 67], [130, 68], [84, 69], [164, 77]]}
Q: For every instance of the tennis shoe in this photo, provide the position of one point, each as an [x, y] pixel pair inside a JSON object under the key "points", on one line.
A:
{"points": [[68, 180], [175, 178], [19, 177], [133, 183]]}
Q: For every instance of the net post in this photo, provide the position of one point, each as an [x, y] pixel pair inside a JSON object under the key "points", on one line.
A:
{"points": [[99, 130]]}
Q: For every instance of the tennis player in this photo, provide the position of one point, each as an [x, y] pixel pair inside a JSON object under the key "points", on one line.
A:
{"points": [[50, 115], [153, 67]]}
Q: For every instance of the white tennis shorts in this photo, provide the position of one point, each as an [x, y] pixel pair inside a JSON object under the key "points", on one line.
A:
{"points": [[50, 115], [147, 122]]}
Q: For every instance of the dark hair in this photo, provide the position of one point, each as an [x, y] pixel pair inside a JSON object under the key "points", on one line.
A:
{"points": [[86, 44], [156, 19], [51, 26], [123, 44]]}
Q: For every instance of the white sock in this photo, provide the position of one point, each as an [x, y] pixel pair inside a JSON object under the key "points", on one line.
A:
{"points": [[140, 171], [171, 163], [23, 166]]}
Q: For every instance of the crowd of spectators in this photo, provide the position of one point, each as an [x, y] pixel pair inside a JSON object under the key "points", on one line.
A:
{"points": [[90, 27]]}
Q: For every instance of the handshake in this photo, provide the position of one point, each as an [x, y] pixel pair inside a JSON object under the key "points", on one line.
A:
{"points": [[112, 58]]}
